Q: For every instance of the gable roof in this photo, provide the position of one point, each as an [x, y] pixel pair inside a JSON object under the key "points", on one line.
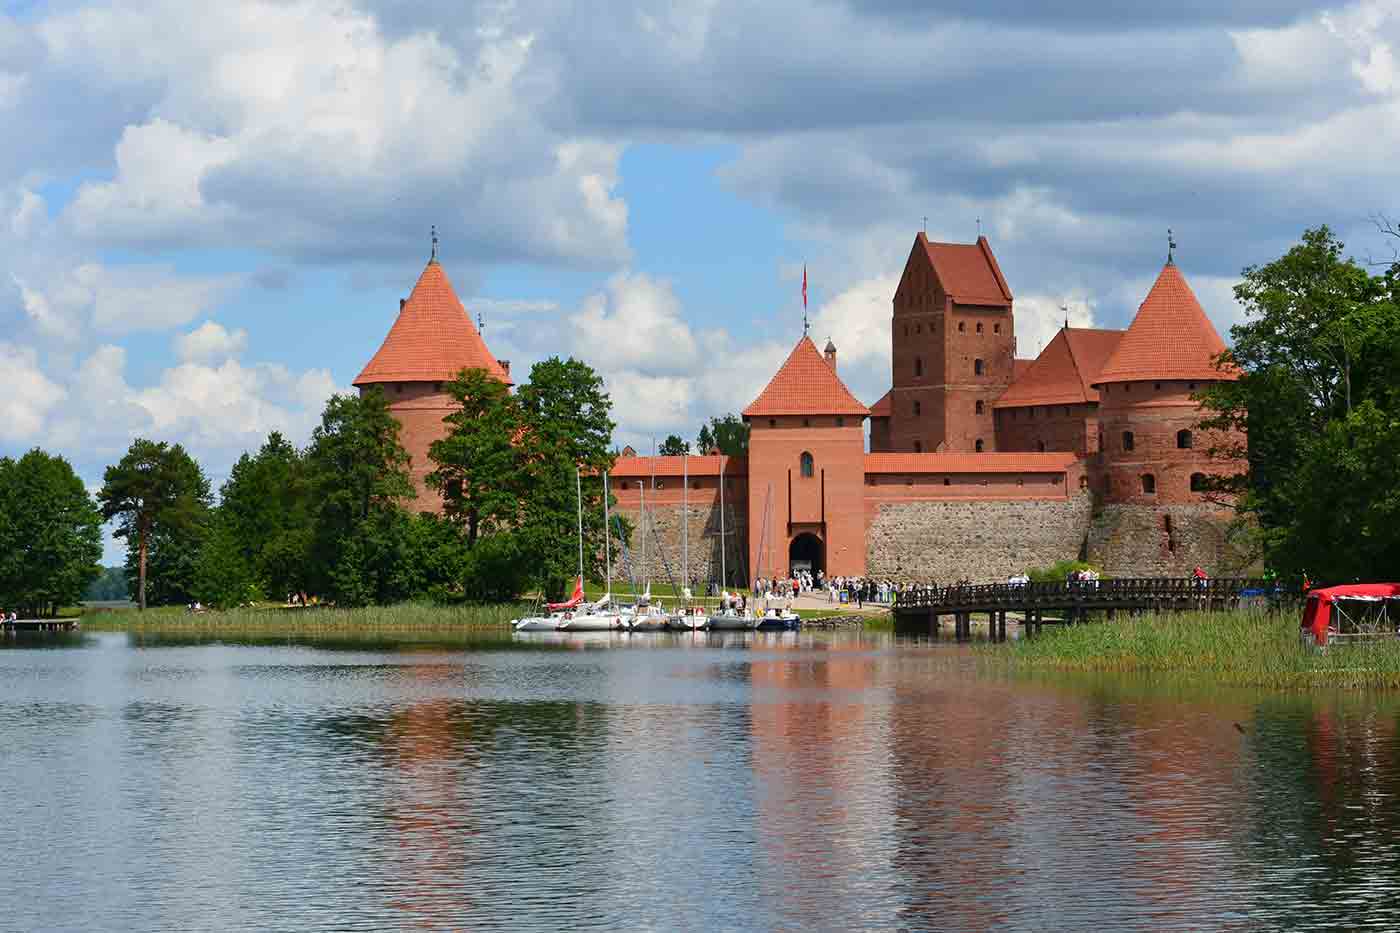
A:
{"points": [[968, 272], [883, 408], [1170, 338], [1064, 372], [805, 385], [432, 339]]}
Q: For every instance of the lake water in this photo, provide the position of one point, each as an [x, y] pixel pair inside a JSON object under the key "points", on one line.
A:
{"points": [[783, 782]]}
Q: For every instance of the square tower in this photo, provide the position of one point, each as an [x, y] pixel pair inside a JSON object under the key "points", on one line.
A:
{"points": [[953, 348]]}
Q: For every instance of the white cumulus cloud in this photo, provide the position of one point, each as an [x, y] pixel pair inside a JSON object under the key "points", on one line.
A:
{"points": [[210, 341]]}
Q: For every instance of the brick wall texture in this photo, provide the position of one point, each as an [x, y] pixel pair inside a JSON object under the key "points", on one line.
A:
{"points": [[1166, 540], [665, 523]]}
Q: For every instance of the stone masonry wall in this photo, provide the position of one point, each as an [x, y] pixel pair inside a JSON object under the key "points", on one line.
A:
{"points": [[983, 540], [1152, 541], [665, 523]]}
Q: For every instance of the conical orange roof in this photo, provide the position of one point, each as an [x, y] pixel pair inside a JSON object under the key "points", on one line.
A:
{"points": [[1171, 338], [433, 338], [806, 385], [1064, 372]]}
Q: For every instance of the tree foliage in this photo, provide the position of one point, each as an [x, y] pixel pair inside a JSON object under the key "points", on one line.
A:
{"points": [[50, 534], [729, 434], [160, 498], [1320, 358], [673, 446], [266, 509]]}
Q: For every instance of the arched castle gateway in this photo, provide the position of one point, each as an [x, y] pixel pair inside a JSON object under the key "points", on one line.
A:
{"points": [[979, 464]]}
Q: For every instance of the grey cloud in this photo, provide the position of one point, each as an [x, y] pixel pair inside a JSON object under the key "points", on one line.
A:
{"points": [[1097, 15]]}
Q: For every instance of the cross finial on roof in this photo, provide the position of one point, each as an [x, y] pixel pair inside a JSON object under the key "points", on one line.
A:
{"points": [[1171, 246], [480, 324], [433, 257]]}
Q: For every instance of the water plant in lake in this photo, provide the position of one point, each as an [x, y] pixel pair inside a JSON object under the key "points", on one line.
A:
{"points": [[404, 619], [1241, 648]]}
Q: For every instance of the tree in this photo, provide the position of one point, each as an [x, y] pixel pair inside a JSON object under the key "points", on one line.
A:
{"points": [[110, 586], [566, 426], [266, 507], [223, 574], [160, 498], [730, 434], [673, 446], [357, 472], [1319, 355], [50, 534], [477, 469]]}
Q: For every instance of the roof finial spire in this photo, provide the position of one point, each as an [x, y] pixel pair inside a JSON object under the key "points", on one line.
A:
{"points": [[480, 324], [1064, 309], [433, 257], [979, 228], [1171, 246], [925, 228]]}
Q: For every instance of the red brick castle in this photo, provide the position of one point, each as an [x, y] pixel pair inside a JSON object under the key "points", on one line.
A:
{"points": [[979, 464]]}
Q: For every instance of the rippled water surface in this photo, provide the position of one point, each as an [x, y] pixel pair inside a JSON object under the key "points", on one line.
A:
{"points": [[674, 783]]}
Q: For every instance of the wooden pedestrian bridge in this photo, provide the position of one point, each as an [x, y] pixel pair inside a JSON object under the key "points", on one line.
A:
{"points": [[920, 610]]}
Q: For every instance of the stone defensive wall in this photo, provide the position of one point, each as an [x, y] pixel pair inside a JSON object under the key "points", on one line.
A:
{"points": [[682, 509], [1168, 540], [981, 517]]}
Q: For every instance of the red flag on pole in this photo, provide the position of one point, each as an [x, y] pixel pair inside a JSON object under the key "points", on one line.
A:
{"points": [[804, 286]]}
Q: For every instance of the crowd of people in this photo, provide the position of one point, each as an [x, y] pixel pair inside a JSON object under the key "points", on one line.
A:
{"points": [[856, 591]]}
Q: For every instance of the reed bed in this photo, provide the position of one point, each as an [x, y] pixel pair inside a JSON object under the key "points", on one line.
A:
{"points": [[1257, 649], [418, 622]]}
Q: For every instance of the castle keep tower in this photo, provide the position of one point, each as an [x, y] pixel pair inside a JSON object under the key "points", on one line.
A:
{"points": [[953, 349], [806, 470], [431, 341]]}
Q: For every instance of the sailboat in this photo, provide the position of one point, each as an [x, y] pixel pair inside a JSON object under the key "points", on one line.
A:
{"points": [[598, 617], [688, 617], [646, 616]]}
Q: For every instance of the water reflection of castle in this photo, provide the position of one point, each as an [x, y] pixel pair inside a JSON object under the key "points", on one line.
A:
{"points": [[980, 464]]}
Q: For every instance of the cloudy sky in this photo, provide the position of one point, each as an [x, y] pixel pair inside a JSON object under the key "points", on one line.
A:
{"points": [[208, 212]]}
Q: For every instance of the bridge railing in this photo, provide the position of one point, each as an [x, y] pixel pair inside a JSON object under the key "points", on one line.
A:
{"points": [[1147, 592]]}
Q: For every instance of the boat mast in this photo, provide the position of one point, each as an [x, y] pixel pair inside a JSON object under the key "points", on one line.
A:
{"points": [[685, 521], [578, 487], [722, 575], [642, 527], [607, 538]]}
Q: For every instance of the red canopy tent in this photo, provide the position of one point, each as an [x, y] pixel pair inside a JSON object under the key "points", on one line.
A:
{"points": [[1319, 612]]}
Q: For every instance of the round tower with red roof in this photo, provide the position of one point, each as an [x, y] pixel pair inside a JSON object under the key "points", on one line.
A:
{"points": [[432, 340], [1154, 458]]}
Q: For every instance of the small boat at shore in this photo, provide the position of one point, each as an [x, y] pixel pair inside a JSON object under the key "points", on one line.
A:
{"points": [[778, 620]]}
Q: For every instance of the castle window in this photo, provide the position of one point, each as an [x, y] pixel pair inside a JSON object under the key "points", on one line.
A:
{"points": [[398, 388], [1040, 446], [840, 421], [624, 484], [977, 367], [979, 406], [1066, 411], [947, 481], [961, 327], [1198, 482], [918, 447], [918, 408], [1149, 484], [1156, 387], [772, 422], [979, 327], [808, 466], [996, 328], [978, 445], [918, 366], [1183, 440], [1127, 440], [1193, 387], [437, 386], [806, 422], [695, 485]]}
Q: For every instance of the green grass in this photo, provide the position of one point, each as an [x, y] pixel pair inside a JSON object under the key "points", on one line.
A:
{"points": [[1240, 648], [407, 621]]}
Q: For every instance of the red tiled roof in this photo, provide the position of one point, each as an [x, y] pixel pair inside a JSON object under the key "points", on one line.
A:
{"points": [[432, 340], [805, 385], [970, 463], [883, 408], [1171, 338], [968, 272], [1020, 367], [1065, 370], [673, 466]]}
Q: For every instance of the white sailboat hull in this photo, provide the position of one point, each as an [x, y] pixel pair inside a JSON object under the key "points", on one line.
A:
{"points": [[591, 623]]}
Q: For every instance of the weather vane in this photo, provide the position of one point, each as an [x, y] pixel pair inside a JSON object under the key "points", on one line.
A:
{"points": [[1064, 308], [480, 324], [435, 241], [1171, 246]]}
